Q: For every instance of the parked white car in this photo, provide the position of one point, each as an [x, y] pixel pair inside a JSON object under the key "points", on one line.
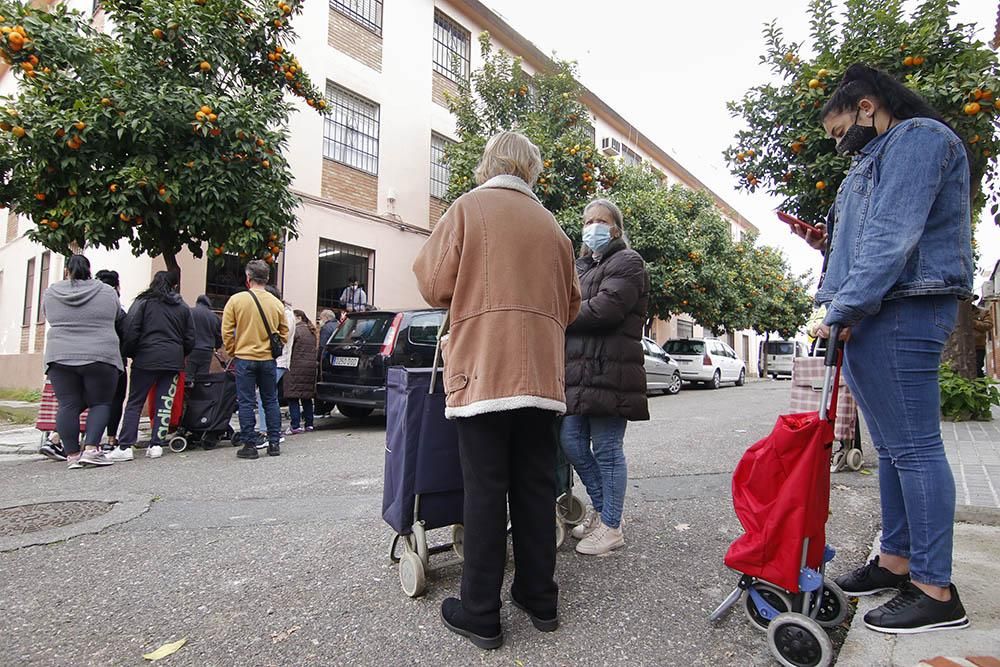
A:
{"points": [[662, 372], [707, 361], [780, 356]]}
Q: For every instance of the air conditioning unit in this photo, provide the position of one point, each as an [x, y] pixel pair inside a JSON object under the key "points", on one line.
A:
{"points": [[611, 146]]}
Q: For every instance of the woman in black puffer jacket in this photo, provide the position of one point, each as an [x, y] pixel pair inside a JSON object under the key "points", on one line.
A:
{"points": [[605, 376]]}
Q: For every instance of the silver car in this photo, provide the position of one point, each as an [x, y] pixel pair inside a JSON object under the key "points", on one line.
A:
{"points": [[662, 372]]}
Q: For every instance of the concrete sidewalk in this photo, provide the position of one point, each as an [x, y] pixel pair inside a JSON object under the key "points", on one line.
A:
{"points": [[973, 449]]}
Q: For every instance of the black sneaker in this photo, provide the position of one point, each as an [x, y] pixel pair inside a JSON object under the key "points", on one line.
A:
{"points": [[913, 611], [50, 450], [869, 579], [247, 452], [548, 623], [274, 450], [455, 619]]}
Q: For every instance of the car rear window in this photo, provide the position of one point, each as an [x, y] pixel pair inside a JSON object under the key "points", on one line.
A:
{"points": [[424, 328], [368, 328], [683, 347], [780, 347]]}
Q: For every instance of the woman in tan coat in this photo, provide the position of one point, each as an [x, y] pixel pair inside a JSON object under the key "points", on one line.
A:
{"points": [[504, 267]]}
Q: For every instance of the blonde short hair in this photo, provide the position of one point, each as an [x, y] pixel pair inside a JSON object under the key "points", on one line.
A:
{"points": [[510, 153]]}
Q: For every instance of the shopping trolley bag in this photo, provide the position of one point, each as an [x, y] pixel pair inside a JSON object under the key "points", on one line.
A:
{"points": [[807, 385], [46, 420]]}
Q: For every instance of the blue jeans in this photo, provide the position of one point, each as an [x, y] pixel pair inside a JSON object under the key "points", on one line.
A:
{"points": [[602, 469], [250, 377], [261, 413], [297, 411], [891, 365]]}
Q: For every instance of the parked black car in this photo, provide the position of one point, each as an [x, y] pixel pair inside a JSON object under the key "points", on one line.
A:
{"points": [[358, 355]]}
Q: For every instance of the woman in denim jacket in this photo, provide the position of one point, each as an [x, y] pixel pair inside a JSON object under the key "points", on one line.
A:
{"points": [[899, 261]]}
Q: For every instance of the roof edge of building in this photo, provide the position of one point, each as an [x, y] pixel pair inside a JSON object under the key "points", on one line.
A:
{"points": [[505, 33]]}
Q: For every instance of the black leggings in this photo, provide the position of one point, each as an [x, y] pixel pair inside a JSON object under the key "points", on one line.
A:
{"points": [[92, 387], [117, 405]]}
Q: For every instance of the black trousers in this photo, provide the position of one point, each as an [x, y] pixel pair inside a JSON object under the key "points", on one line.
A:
{"points": [[78, 388], [199, 363], [509, 456]]}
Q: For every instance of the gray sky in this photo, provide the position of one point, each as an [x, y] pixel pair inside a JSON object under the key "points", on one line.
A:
{"points": [[669, 67]]}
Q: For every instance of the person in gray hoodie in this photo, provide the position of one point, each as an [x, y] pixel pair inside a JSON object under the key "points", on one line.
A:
{"points": [[82, 358]]}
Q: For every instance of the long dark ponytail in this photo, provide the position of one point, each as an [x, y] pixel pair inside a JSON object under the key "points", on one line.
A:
{"points": [[863, 81], [162, 287]]}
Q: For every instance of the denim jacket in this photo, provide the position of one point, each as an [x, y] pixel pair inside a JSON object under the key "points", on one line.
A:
{"points": [[902, 223]]}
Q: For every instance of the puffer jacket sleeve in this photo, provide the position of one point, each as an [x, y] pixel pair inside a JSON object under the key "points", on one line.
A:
{"points": [[620, 289], [437, 263]]}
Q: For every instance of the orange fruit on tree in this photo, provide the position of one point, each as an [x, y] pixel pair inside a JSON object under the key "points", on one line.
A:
{"points": [[212, 117], [815, 83], [53, 224], [266, 164], [821, 185], [17, 131], [40, 196], [248, 223], [260, 142], [123, 217], [113, 187], [157, 33], [105, 101], [205, 109], [60, 133], [79, 125], [71, 193], [987, 95], [215, 132], [977, 94], [205, 66], [273, 237], [918, 60], [908, 61], [972, 108]]}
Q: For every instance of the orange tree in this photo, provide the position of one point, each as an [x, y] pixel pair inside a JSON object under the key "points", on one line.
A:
{"points": [[694, 264], [164, 134], [783, 149], [546, 107]]}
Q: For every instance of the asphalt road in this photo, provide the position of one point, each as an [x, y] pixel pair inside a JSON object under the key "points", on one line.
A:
{"points": [[284, 561]]}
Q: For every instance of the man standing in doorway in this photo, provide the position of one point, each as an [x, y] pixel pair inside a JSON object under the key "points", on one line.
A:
{"points": [[248, 322], [353, 297]]}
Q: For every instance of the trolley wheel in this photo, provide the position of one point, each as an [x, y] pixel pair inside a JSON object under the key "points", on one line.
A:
{"points": [[560, 532], [772, 595], [178, 444], [798, 641], [855, 459], [411, 574], [570, 508], [458, 541], [838, 461], [833, 605]]}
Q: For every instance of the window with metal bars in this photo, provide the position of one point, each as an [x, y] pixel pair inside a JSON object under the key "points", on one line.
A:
{"points": [[43, 283], [29, 288], [366, 13], [440, 171], [451, 48], [350, 132], [629, 156]]}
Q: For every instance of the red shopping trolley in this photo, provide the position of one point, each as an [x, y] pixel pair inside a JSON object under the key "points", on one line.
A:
{"points": [[781, 494], [46, 420]]}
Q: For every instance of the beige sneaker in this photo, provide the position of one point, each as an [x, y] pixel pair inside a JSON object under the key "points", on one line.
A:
{"points": [[590, 522], [601, 541]]}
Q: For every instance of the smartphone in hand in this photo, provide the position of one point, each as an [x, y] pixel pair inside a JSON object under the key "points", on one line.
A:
{"points": [[791, 221]]}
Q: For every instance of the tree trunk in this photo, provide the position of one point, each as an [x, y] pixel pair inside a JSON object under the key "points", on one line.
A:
{"points": [[170, 259], [960, 348]]}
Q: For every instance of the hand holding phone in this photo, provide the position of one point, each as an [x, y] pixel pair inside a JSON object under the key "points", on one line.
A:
{"points": [[791, 221]]}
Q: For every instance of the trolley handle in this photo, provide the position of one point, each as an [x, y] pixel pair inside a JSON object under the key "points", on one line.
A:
{"points": [[442, 331], [831, 378]]}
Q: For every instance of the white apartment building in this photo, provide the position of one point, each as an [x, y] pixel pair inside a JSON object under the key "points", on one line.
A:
{"points": [[370, 176]]}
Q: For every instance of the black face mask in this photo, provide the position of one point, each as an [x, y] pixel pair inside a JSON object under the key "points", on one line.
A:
{"points": [[856, 137]]}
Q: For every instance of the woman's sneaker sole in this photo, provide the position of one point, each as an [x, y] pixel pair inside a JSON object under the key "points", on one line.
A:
{"points": [[933, 627]]}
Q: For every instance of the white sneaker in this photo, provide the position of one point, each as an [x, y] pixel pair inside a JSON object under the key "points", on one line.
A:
{"points": [[590, 522], [118, 454], [154, 452], [601, 541]]}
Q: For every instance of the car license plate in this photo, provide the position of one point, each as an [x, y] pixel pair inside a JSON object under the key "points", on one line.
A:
{"points": [[684, 361], [351, 362]]}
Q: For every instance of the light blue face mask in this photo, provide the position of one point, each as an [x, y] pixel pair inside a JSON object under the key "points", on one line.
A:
{"points": [[597, 236]]}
